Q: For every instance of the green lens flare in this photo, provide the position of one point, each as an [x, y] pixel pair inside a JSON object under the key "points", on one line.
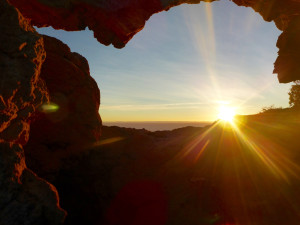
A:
{"points": [[49, 108]]}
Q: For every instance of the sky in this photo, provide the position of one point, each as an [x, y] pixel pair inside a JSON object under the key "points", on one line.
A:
{"points": [[184, 64]]}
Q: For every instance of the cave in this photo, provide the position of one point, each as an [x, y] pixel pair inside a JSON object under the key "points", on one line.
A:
{"points": [[28, 62]]}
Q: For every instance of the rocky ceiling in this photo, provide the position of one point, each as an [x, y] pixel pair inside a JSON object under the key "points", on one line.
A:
{"points": [[117, 21]]}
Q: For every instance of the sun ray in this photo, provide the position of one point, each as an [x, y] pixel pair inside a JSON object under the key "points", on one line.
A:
{"points": [[271, 154], [201, 141], [256, 94], [204, 39]]}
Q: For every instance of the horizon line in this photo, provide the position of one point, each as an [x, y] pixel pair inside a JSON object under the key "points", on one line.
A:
{"points": [[159, 121]]}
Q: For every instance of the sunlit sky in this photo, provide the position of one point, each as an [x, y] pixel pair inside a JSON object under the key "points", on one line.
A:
{"points": [[184, 64]]}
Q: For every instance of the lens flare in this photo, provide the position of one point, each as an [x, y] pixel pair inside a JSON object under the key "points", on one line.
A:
{"points": [[226, 113], [49, 108]]}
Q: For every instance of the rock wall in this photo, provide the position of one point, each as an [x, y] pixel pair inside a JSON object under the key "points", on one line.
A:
{"points": [[24, 198], [286, 15], [70, 123], [113, 21], [117, 21]]}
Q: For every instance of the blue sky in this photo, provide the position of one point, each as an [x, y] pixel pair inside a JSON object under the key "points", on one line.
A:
{"points": [[184, 64]]}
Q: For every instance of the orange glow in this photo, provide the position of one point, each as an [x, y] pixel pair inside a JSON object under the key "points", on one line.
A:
{"points": [[248, 161], [226, 113]]}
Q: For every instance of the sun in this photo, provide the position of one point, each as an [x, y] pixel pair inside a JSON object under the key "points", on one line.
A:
{"points": [[226, 113]]}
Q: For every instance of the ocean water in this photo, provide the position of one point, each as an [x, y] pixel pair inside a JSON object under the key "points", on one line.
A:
{"points": [[156, 126]]}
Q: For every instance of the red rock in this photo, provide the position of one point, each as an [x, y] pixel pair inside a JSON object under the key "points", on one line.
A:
{"points": [[113, 22], [22, 54], [75, 124], [117, 21], [24, 197]]}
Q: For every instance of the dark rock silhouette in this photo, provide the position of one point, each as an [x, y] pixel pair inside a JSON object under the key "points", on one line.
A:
{"points": [[24, 198], [117, 21], [73, 123]]}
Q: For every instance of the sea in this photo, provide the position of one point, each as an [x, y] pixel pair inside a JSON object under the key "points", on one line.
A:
{"points": [[157, 125]]}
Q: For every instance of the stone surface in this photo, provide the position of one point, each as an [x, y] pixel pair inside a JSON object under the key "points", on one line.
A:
{"points": [[21, 56], [71, 122], [287, 64], [117, 21], [286, 15], [113, 21], [24, 198]]}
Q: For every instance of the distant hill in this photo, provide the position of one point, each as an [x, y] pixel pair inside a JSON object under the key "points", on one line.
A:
{"points": [[157, 125]]}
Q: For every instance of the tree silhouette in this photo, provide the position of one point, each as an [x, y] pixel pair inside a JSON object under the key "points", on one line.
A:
{"points": [[294, 99]]}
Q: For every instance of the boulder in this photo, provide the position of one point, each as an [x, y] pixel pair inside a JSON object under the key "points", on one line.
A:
{"points": [[70, 123]]}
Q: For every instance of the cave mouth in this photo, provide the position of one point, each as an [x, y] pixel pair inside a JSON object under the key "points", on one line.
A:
{"points": [[182, 60], [58, 142], [165, 72]]}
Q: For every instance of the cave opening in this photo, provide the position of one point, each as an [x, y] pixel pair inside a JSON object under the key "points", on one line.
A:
{"points": [[181, 67], [177, 67], [206, 175]]}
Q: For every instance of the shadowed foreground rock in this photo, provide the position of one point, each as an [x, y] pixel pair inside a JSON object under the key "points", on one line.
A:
{"points": [[71, 122], [24, 197], [117, 21], [215, 175]]}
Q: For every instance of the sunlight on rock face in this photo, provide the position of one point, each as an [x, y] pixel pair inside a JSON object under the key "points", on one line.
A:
{"points": [[49, 108], [226, 113]]}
